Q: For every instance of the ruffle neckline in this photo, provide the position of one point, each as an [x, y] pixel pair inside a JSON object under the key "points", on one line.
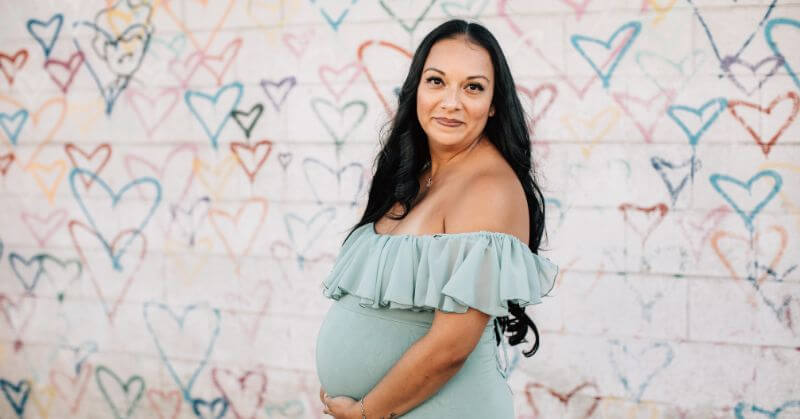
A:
{"points": [[446, 271]]}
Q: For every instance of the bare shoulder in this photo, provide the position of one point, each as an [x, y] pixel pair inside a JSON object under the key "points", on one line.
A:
{"points": [[489, 199]]}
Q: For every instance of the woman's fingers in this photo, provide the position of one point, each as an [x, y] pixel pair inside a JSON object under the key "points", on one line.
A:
{"points": [[322, 399]]}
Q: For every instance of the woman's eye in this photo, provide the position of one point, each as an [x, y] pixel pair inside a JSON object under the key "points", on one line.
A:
{"points": [[477, 87], [429, 79]]}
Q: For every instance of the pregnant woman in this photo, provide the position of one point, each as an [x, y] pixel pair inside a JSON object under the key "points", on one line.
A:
{"points": [[445, 257]]}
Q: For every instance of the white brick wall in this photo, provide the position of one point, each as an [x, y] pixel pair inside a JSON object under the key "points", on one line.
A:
{"points": [[649, 318]]}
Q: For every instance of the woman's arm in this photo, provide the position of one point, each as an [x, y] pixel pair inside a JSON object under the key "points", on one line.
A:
{"points": [[427, 365]]}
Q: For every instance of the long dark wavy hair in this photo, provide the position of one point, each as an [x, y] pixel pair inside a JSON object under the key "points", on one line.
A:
{"points": [[405, 154]]}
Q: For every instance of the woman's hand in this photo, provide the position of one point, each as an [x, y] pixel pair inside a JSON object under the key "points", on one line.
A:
{"points": [[340, 407]]}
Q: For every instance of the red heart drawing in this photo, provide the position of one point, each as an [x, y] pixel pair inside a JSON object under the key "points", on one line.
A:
{"points": [[654, 216], [166, 404], [11, 64], [63, 72], [586, 404], [383, 45], [82, 159], [254, 158], [298, 44], [153, 111], [647, 112], [256, 299], [110, 284], [708, 223], [72, 387], [218, 64], [18, 314], [578, 7], [245, 393], [545, 89], [5, 162], [43, 228], [176, 166], [349, 73], [766, 146], [184, 70]]}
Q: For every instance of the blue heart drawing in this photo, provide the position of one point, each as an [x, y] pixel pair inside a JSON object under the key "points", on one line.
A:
{"points": [[289, 409], [35, 25], [80, 353], [57, 271], [339, 137], [768, 28], [186, 387], [334, 22], [186, 220], [694, 135], [16, 394], [135, 384], [12, 128], [348, 177], [175, 46], [742, 409], [724, 61], [661, 165], [407, 15], [694, 59], [17, 262], [298, 228], [214, 409], [192, 97], [634, 27], [637, 391], [748, 216], [107, 237], [469, 8]]}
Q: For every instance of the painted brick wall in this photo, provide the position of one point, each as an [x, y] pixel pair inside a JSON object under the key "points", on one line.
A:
{"points": [[176, 179]]}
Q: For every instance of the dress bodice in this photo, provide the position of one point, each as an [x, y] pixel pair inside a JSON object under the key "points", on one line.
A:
{"points": [[445, 271]]}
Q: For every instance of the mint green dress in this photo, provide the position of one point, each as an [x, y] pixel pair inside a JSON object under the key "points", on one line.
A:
{"points": [[386, 289]]}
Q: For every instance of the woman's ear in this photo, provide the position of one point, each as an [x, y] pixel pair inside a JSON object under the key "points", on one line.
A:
{"points": [[491, 111]]}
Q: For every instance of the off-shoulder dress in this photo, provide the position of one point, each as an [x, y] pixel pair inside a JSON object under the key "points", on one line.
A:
{"points": [[386, 288]]}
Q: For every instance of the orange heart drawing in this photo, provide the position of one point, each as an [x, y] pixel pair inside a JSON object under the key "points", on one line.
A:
{"points": [[214, 178], [35, 118], [391, 47], [720, 235], [257, 210], [591, 130], [49, 177], [212, 33]]}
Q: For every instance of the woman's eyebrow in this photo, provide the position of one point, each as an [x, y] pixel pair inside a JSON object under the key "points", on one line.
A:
{"points": [[479, 76]]}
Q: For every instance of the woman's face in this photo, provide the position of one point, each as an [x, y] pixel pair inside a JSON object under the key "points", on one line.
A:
{"points": [[457, 83]]}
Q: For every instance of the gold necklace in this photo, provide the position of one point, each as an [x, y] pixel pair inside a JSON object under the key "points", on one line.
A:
{"points": [[428, 182], [430, 178]]}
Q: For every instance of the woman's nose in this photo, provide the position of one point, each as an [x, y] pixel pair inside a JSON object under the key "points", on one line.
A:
{"points": [[450, 99]]}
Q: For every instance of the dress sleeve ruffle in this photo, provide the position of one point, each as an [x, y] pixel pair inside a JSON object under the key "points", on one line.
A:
{"points": [[450, 272]]}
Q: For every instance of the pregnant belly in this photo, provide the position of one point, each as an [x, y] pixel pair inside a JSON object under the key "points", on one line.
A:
{"points": [[357, 346]]}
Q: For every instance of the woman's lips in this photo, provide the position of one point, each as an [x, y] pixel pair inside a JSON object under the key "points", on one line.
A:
{"points": [[447, 123]]}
